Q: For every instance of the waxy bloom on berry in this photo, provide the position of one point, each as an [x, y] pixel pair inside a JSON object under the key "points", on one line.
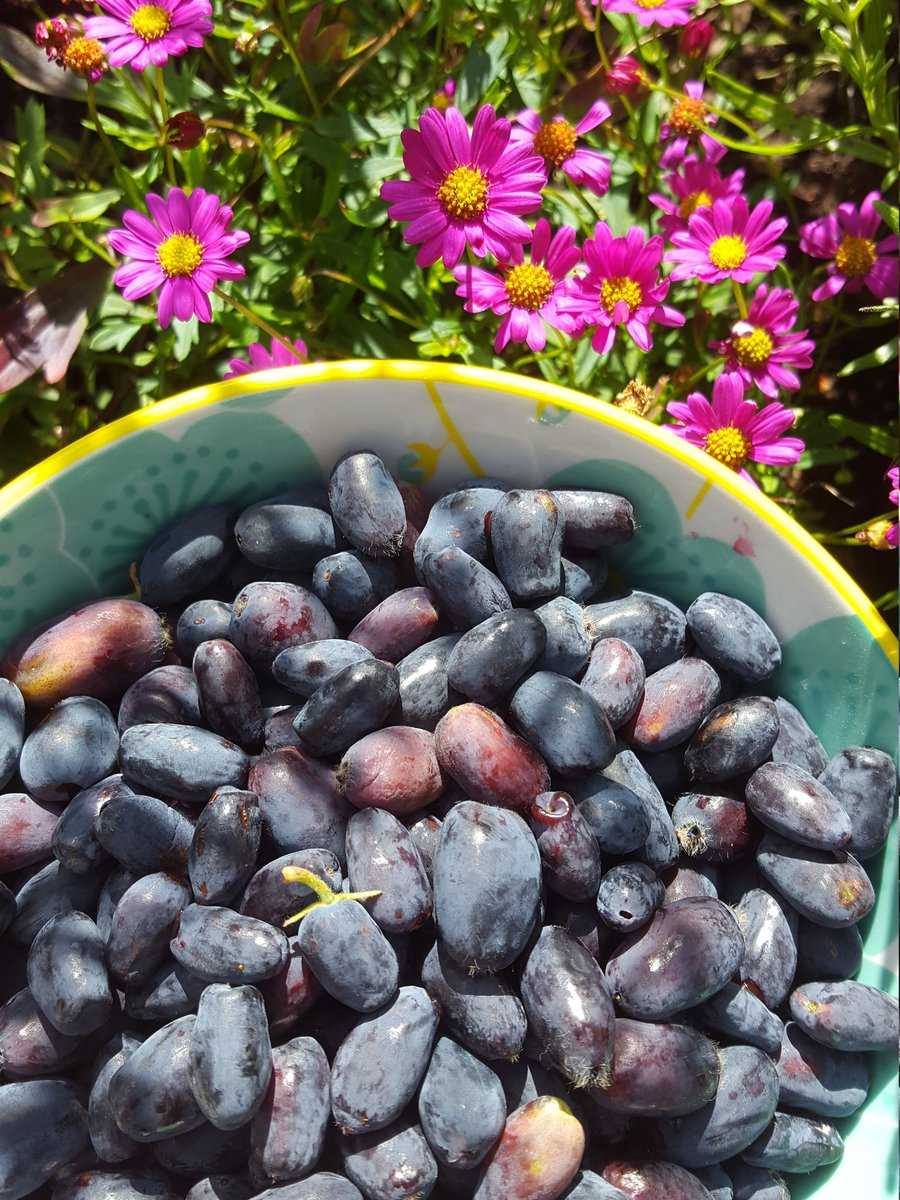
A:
{"points": [[728, 242], [733, 430], [527, 294], [556, 142], [140, 35], [622, 287], [624, 76], [261, 359], [183, 251], [892, 536], [652, 12], [686, 126], [764, 347], [694, 189], [466, 187], [848, 238]]}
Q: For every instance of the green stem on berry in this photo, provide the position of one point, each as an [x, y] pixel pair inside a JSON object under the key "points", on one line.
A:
{"points": [[324, 894]]}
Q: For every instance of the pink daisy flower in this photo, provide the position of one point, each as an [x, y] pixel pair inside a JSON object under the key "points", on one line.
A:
{"points": [[622, 287], [892, 536], [847, 237], [183, 251], [685, 128], [466, 187], [652, 12], [528, 294], [728, 242], [262, 359], [763, 348], [140, 35], [696, 188], [556, 142], [733, 430]]}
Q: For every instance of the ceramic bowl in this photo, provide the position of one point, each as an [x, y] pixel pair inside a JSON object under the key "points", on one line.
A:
{"points": [[70, 528]]}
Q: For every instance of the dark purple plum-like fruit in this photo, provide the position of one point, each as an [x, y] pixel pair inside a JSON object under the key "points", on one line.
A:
{"points": [[660, 850], [299, 801], [350, 585], [371, 1082], [180, 762], [482, 1011], [199, 622], [739, 1014], [460, 518], [846, 1015], [594, 520], [569, 1008], [795, 1144], [150, 1095], [462, 1108], [222, 946], [526, 538], [687, 953], [676, 699], [798, 806], [170, 992], [354, 702], [288, 1132], [398, 625], [538, 1155], [488, 661], [367, 505], [382, 857], [98, 650], [615, 814], [756, 1183], [864, 782], [67, 975], [269, 616], [712, 828], [224, 846], [658, 1071], [615, 677], [467, 591], [75, 745], [628, 896], [733, 637], [817, 1079], [827, 953], [564, 722], [492, 765], [229, 693], [187, 556], [291, 993], [110, 1144], [27, 828], [769, 929], [828, 888], [569, 851], [736, 737], [231, 1055], [395, 769], [51, 891], [425, 692], [654, 1181], [797, 745], [391, 1164], [12, 729], [487, 873], [166, 695], [43, 1126], [269, 897], [143, 833], [741, 1109], [75, 842], [29, 1044], [568, 645], [286, 536], [349, 955], [652, 625], [303, 669], [583, 576]]}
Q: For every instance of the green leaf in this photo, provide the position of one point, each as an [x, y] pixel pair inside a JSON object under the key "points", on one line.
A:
{"points": [[874, 437], [187, 334], [876, 358], [86, 206], [890, 215], [113, 335], [481, 67]]}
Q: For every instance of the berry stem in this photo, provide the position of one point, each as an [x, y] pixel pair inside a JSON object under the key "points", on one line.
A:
{"points": [[164, 125], [324, 894]]}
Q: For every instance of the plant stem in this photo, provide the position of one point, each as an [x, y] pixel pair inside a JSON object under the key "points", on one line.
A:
{"points": [[251, 316], [601, 49], [285, 21], [739, 297], [92, 245], [164, 130], [323, 893], [121, 174]]}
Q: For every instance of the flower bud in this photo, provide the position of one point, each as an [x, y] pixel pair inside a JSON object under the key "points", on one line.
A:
{"points": [[185, 130], [623, 77], [695, 38]]}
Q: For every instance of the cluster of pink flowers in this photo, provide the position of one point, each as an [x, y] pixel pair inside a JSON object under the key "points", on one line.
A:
{"points": [[64, 42]]}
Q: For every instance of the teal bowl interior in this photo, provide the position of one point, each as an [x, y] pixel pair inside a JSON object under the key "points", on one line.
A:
{"points": [[70, 528]]}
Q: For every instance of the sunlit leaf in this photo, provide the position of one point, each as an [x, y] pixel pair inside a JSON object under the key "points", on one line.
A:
{"points": [[875, 437], [86, 206], [876, 358]]}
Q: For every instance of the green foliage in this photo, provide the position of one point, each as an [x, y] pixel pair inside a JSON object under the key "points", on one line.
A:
{"points": [[304, 107]]}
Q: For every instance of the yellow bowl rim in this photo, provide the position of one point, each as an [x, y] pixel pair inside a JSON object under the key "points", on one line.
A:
{"points": [[711, 471]]}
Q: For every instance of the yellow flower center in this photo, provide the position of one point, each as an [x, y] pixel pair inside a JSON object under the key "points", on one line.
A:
{"points": [[555, 142], [691, 203], [151, 22], [441, 101], [180, 254], [620, 287], [688, 117], [84, 56], [728, 253], [753, 349], [464, 193], [651, 3], [529, 286], [728, 445], [855, 256]]}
